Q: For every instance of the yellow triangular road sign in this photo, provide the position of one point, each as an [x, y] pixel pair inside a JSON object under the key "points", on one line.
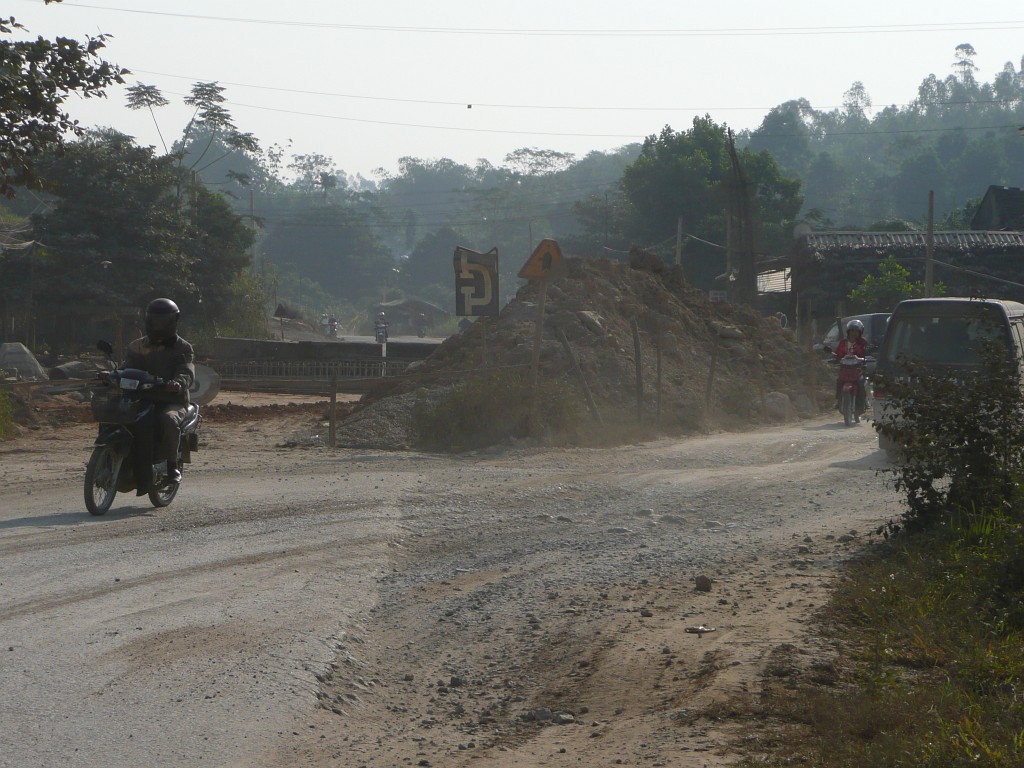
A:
{"points": [[546, 262]]}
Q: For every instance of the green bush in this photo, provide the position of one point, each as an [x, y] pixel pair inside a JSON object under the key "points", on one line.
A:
{"points": [[961, 435], [492, 407]]}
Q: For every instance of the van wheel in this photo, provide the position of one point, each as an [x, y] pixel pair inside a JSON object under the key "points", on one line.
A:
{"points": [[893, 450]]}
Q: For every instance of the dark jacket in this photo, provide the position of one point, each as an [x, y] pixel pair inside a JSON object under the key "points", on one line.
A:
{"points": [[172, 361]]}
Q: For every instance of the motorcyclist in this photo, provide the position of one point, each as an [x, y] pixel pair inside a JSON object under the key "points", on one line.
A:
{"points": [[162, 352], [381, 322], [855, 344]]}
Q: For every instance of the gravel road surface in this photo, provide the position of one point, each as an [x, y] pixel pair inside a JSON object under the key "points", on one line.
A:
{"points": [[298, 605]]}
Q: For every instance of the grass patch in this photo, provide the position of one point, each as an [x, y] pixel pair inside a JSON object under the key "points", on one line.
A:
{"points": [[932, 627]]}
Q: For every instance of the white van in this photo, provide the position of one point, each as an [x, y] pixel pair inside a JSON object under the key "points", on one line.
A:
{"points": [[944, 334]]}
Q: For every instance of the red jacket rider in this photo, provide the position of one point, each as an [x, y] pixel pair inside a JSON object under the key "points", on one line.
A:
{"points": [[859, 347]]}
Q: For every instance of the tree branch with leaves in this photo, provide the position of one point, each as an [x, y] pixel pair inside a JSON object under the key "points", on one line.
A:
{"points": [[36, 79]]}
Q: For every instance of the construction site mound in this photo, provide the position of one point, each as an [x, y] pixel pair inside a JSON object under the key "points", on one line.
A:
{"points": [[622, 332]]}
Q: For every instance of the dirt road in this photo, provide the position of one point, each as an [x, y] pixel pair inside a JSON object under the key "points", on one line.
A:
{"points": [[517, 607]]}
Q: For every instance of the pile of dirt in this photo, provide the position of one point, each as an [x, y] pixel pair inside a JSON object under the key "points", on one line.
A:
{"points": [[33, 410], [722, 365], [226, 413]]}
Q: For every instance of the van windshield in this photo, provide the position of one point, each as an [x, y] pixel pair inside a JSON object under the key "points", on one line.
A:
{"points": [[944, 339]]}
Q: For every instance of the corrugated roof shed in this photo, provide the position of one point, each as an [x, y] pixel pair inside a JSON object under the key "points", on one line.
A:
{"points": [[821, 243], [1002, 208], [828, 265]]}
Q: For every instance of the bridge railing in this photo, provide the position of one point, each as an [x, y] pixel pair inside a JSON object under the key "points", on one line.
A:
{"points": [[309, 369]]}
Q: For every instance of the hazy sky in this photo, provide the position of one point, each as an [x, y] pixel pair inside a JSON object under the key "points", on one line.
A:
{"points": [[367, 83]]}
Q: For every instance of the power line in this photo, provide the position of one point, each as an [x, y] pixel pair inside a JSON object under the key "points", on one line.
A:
{"points": [[634, 137], [967, 26], [562, 107]]}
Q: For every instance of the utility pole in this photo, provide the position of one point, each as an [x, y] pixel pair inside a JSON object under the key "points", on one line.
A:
{"points": [[252, 223], [930, 247], [606, 221], [679, 240], [740, 198]]}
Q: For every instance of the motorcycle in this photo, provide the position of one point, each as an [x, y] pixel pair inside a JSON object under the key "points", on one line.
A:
{"points": [[380, 331], [112, 465], [851, 378], [421, 330], [332, 329]]}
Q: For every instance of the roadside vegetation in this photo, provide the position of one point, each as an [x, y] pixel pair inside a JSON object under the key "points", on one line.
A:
{"points": [[7, 426], [929, 626]]}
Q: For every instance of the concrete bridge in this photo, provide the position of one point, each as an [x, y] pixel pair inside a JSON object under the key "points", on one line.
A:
{"points": [[308, 367]]}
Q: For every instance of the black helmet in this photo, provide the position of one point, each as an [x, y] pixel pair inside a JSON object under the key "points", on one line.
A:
{"points": [[162, 320]]}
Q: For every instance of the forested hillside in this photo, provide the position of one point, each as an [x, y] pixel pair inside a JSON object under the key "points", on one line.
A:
{"points": [[868, 162], [226, 219]]}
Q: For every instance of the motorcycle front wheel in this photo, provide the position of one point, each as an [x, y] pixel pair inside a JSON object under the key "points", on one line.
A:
{"points": [[164, 496], [100, 480], [847, 408]]}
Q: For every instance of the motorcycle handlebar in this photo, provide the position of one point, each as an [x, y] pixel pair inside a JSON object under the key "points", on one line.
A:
{"points": [[113, 379]]}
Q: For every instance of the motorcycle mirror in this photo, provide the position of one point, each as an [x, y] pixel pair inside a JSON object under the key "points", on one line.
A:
{"points": [[105, 347]]}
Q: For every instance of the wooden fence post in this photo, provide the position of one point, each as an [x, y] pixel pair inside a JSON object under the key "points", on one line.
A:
{"points": [[711, 377], [639, 373], [582, 377], [331, 434]]}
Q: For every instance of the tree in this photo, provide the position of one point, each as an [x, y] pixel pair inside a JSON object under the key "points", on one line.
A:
{"points": [[209, 139], [856, 103], [147, 97], [882, 292], [964, 65], [530, 161], [785, 132], [431, 260], [36, 79], [333, 245], [315, 173], [115, 202], [690, 176]]}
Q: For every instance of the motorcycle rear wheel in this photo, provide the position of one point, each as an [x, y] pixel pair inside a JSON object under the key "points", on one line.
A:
{"points": [[100, 480], [847, 406]]}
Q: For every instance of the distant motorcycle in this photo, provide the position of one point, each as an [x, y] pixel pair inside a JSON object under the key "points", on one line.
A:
{"points": [[851, 378], [332, 328], [111, 467], [380, 331]]}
